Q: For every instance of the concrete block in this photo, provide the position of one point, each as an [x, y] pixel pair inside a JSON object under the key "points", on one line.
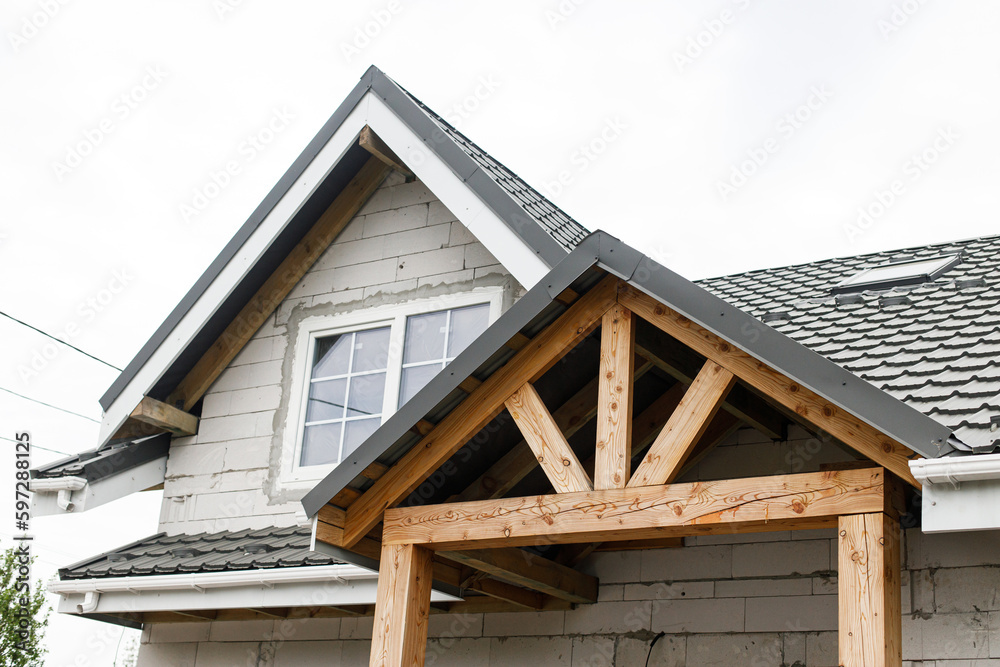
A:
{"points": [[490, 270], [408, 194], [967, 589], [761, 459], [241, 631], [743, 588], [438, 213], [609, 618], [414, 241], [740, 538], [167, 655], [354, 653], [460, 235], [380, 201], [824, 585], [195, 459], [521, 651], [793, 649], [357, 628], [358, 276], [729, 650], [167, 633], [317, 281], [376, 295], [689, 590], [822, 649], [994, 627], [593, 652], [234, 377], [465, 276], [452, 652], [347, 253], [255, 351], [522, 624], [213, 654], [455, 625], [243, 480], [216, 404], [308, 654], [305, 629], [813, 534], [289, 306], [279, 344], [803, 613], [247, 454], [265, 423], [265, 373], [952, 549], [343, 301], [708, 615], [395, 220], [714, 562], [946, 637], [256, 399], [612, 593], [613, 567], [190, 484], [222, 429], [749, 436], [477, 255], [224, 505], [776, 559], [445, 260]]}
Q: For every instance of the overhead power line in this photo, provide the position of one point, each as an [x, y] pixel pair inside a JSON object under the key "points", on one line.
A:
{"points": [[59, 340], [34, 446], [49, 405]]}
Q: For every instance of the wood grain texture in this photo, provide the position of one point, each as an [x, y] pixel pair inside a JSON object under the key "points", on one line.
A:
{"points": [[402, 607], [547, 442], [684, 429], [613, 459], [808, 405], [162, 415], [478, 409], [529, 570], [372, 143], [279, 284], [809, 500], [870, 624]]}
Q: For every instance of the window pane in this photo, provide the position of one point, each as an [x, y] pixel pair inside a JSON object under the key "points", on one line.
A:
{"points": [[466, 325], [424, 337], [332, 354], [366, 395], [371, 350], [357, 432], [326, 400], [414, 379], [321, 444]]}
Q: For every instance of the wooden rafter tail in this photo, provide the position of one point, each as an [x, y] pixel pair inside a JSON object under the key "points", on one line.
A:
{"points": [[685, 427], [524, 568], [470, 416], [164, 416], [613, 461], [372, 143], [779, 502], [546, 441], [279, 284], [808, 405]]}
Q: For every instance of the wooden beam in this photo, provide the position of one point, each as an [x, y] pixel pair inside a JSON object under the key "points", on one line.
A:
{"points": [[372, 143], [613, 462], [546, 441], [279, 284], [199, 614], [804, 402], [470, 416], [526, 569], [869, 591], [685, 427], [164, 416], [402, 607], [779, 502], [500, 590]]}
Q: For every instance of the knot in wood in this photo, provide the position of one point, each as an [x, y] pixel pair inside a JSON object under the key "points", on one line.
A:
{"points": [[678, 510], [506, 532], [565, 462], [843, 533], [887, 447], [723, 347], [659, 310], [827, 411], [881, 541], [614, 405], [547, 518], [798, 507], [793, 388]]}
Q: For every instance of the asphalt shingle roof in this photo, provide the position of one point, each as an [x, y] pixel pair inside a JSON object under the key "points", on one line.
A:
{"points": [[934, 346], [204, 552]]}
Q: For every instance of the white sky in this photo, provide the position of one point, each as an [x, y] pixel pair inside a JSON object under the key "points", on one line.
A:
{"points": [[557, 81]]}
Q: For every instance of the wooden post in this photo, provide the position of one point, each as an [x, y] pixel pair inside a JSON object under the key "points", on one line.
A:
{"points": [[613, 461], [402, 607], [870, 615]]}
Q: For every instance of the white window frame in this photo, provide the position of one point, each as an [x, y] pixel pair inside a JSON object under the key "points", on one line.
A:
{"points": [[393, 316]]}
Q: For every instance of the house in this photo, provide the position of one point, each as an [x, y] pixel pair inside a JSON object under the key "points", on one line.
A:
{"points": [[552, 449]]}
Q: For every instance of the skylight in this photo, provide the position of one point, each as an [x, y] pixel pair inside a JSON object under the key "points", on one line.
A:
{"points": [[910, 272]]}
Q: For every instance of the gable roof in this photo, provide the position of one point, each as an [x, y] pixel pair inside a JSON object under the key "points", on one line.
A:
{"points": [[599, 254], [545, 230], [934, 346]]}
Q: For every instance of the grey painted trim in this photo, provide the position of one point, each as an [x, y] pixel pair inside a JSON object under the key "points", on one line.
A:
{"points": [[499, 200], [114, 620], [100, 464], [882, 411]]}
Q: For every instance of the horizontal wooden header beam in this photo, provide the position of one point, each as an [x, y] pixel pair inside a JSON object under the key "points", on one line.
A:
{"points": [[780, 502]]}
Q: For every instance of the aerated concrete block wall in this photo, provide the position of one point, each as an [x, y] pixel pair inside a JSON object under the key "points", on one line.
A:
{"points": [[403, 245]]}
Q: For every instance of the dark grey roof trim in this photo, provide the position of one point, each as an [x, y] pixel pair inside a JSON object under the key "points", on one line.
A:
{"points": [[898, 420], [99, 464], [410, 112]]}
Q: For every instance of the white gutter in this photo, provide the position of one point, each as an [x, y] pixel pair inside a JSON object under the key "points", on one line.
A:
{"points": [[960, 493], [63, 486]]}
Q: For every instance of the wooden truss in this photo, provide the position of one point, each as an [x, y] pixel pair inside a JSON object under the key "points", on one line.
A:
{"points": [[482, 530]]}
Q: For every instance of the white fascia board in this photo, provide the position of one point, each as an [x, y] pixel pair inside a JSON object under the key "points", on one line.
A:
{"points": [[511, 251], [284, 587], [45, 496], [237, 268], [959, 493]]}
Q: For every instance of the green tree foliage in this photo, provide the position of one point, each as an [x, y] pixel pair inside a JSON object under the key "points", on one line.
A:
{"points": [[23, 612]]}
